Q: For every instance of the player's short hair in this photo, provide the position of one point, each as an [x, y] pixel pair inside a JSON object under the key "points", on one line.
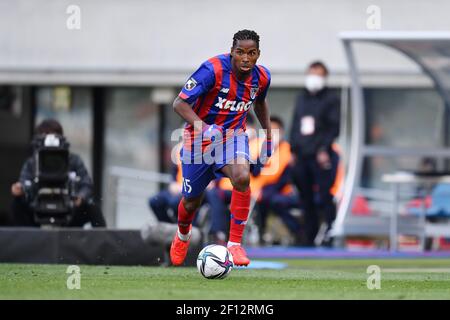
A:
{"points": [[49, 126], [246, 35], [277, 120], [318, 64]]}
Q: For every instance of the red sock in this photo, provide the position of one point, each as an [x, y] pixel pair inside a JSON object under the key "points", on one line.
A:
{"points": [[184, 218], [240, 206]]}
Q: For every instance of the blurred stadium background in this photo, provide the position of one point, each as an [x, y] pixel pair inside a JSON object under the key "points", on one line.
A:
{"points": [[111, 84]]}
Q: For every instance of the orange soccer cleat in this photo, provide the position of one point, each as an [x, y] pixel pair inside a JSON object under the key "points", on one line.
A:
{"points": [[239, 255], [178, 250]]}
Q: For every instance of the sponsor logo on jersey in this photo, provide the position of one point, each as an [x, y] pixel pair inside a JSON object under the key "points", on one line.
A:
{"points": [[225, 90], [233, 105]]}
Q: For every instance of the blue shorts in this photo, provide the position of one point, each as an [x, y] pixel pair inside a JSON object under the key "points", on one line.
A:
{"points": [[200, 168]]}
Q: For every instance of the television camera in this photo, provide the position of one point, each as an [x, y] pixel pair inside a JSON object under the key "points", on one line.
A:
{"points": [[51, 192]]}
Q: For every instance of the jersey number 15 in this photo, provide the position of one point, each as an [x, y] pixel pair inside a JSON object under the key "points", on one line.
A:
{"points": [[186, 185]]}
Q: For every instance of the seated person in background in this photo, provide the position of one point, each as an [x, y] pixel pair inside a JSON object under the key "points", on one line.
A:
{"points": [[219, 198], [272, 186], [165, 203], [81, 204]]}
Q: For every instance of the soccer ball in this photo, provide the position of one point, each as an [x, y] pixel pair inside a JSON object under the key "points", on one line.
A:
{"points": [[215, 262]]}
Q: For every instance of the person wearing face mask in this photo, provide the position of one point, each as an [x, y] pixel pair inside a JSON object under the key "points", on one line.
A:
{"points": [[315, 126]]}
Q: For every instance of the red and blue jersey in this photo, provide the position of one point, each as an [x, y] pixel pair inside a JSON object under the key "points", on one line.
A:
{"points": [[218, 97]]}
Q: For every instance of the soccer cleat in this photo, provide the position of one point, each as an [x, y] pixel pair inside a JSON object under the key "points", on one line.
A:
{"points": [[239, 255], [178, 250]]}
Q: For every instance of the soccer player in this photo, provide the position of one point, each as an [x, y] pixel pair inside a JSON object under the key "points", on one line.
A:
{"points": [[214, 101]]}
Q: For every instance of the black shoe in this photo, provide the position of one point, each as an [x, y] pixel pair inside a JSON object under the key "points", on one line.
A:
{"points": [[327, 242]]}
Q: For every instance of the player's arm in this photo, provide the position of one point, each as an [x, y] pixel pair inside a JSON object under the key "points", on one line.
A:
{"points": [[263, 115], [201, 81], [185, 111], [262, 108]]}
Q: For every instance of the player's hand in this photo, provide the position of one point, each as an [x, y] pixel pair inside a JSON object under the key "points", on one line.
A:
{"points": [[17, 189], [211, 132], [293, 160], [78, 201], [324, 160], [266, 150]]}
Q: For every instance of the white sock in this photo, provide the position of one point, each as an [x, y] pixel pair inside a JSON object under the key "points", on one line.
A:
{"points": [[184, 237], [229, 244]]}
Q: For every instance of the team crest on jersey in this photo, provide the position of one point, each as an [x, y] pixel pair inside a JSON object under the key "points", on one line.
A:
{"points": [[253, 92], [190, 84]]}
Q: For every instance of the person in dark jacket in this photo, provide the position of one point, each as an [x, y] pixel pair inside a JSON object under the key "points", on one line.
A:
{"points": [[85, 209], [315, 126]]}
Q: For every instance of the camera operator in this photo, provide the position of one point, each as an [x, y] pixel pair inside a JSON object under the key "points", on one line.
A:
{"points": [[81, 207]]}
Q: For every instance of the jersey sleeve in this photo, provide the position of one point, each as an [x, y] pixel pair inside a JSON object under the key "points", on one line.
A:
{"points": [[264, 90], [200, 82]]}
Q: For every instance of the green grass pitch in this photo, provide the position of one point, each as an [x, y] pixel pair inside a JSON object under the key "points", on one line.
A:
{"points": [[303, 279]]}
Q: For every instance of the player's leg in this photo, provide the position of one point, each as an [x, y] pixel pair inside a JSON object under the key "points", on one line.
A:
{"points": [[195, 179], [239, 174], [186, 214], [180, 243]]}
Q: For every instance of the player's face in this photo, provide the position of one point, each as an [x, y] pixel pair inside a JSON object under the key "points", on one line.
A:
{"points": [[244, 56]]}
